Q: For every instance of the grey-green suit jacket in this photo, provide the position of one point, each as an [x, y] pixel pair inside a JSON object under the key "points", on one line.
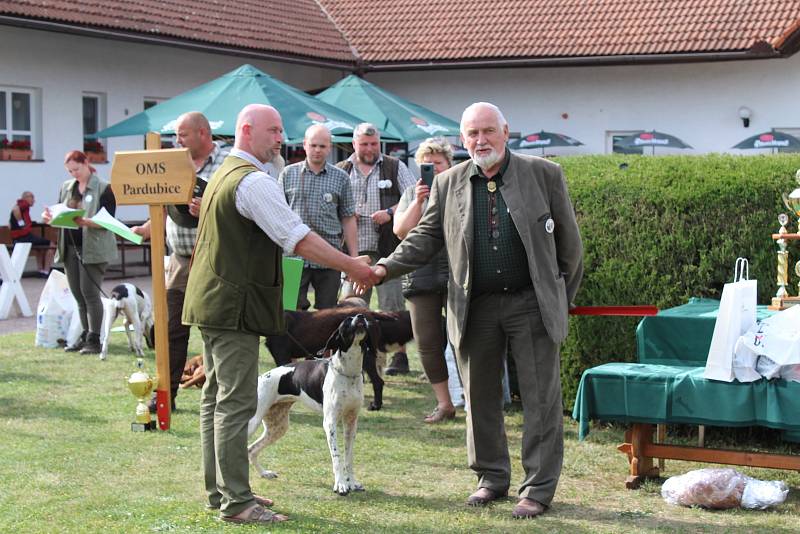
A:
{"points": [[534, 191]]}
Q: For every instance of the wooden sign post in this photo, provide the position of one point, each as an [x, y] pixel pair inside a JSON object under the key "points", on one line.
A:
{"points": [[156, 177]]}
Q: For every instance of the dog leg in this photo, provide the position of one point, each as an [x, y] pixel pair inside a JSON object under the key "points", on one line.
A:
{"points": [[109, 316], [329, 423], [350, 426], [371, 368], [138, 346], [276, 423]]}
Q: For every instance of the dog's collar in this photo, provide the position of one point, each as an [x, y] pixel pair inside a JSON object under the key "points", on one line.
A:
{"points": [[339, 370]]}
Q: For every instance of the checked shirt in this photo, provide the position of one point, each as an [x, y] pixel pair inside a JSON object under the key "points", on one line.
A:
{"points": [[180, 238], [321, 200]]}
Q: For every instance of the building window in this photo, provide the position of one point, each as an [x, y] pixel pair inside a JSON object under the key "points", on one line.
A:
{"points": [[19, 117], [613, 137], [94, 120]]}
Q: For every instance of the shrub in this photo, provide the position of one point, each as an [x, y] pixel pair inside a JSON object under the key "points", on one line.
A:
{"points": [[658, 230]]}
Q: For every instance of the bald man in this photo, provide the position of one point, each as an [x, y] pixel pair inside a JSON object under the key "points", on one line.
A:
{"points": [[192, 131], [320, 194], [235, 295]]}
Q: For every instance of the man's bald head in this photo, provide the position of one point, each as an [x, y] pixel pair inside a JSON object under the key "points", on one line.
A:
{"points": [[193, 132], [259, 131], [317, 144]]}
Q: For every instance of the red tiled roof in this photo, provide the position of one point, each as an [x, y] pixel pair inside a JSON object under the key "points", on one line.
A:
{"points": [[385, 32], [421, 30], [293, 27]]}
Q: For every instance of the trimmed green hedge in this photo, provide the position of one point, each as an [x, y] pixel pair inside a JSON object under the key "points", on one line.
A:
{"points": [[658, 230]]}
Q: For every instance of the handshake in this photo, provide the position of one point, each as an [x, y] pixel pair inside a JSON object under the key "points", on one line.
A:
{"points": [[363, 276]]}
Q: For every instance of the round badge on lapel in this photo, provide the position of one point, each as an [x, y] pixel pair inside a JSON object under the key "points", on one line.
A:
{"points": [[549, 226], [328, 197], [88, 198]]}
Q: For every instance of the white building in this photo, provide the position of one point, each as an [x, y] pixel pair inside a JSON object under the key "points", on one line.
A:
{"points": [[590, 75]]}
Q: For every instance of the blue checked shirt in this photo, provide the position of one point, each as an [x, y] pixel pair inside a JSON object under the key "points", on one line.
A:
{"points": [[321, 200], [180, 238]]}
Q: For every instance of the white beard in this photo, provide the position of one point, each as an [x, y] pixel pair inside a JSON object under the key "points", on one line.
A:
{"points": [[487, 161]]}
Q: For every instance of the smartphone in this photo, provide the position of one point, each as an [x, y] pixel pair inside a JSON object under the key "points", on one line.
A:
{"points": [[426, 170]]}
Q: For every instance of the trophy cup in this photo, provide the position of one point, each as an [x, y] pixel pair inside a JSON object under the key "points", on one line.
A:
{"points": [[142, 385], [782, 300]]}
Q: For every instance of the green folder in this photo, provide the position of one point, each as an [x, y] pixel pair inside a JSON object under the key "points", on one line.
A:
{"points": [[292, 272]]}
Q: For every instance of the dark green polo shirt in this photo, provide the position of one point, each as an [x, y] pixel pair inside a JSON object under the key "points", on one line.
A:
{"points": [[500, 264]]}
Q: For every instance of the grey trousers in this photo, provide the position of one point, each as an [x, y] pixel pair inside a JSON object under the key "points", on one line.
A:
{"points": [[227, 404], [493, 321], [85, 282]]}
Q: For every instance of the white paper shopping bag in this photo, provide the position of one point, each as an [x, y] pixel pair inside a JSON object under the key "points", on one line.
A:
{"points": [[737, 315]]}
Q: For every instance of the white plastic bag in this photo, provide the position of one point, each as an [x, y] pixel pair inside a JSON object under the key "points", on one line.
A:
{"points": [[54, 311], [722, 489], [769, 347], [737, 315]]}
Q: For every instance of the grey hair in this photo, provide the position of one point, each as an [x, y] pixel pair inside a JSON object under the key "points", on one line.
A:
{"points": [[472, 107], [434, 145], [366, 128]]}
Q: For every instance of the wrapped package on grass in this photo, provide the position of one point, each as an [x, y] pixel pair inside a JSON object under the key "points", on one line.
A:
{"points": [[721, 489]]}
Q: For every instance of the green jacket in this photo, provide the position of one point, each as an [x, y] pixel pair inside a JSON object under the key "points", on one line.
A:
{"points": [[236, 275], [99, 245]]}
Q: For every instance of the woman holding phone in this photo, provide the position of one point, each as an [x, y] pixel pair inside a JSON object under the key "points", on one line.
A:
{"points": [[426, 288]]}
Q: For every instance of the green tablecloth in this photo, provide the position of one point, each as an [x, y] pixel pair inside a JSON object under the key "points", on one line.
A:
{"points": [[681, 335], [648, 393]]}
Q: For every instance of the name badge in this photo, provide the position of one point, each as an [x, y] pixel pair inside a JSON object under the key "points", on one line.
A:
{"points": [[549, 226], [88, 198]]}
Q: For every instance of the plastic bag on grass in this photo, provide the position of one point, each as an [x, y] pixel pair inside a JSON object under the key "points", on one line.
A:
{"points": [[54, 311], [722, 489]]}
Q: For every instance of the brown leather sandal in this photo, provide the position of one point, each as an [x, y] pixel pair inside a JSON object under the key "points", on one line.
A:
{"points": [[263, 501], [256, 514]]}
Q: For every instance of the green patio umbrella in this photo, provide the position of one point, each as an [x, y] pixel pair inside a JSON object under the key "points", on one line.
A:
{"points": [[220, 100], [394, 116]]}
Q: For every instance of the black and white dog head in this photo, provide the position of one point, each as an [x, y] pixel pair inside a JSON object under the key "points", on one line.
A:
{"points": [[351, 330]]}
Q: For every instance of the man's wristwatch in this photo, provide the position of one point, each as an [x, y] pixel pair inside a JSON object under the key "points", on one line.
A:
{"points": [[390, 211]]}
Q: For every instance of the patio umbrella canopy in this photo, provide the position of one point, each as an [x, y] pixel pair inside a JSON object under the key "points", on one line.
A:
{"points": [[543, 140], [394, 116], [772, 140], [222, 99], [653, 139]]}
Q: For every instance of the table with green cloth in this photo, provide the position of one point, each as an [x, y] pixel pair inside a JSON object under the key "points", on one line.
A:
{"points": [[667, 386]]}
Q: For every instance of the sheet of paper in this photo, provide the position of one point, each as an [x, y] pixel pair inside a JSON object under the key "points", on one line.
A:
{"points": [[64, 217], [104, 219]]}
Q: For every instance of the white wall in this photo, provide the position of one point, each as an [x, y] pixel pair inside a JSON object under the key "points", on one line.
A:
{"points": [[64, 66], [698, 103]]}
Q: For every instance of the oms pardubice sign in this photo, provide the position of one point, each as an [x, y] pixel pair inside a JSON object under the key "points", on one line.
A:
{"points": [[153, 177]]}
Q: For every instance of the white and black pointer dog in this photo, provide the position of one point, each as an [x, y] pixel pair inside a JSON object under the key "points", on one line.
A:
{"points": [[134, 304], [334, 386]]}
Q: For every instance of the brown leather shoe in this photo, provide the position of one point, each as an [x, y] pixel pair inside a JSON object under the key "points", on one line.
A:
{"points": [[484, 496], [528, 509]]}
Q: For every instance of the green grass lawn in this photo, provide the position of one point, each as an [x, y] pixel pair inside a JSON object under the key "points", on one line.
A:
{"points": [[70, 463]]}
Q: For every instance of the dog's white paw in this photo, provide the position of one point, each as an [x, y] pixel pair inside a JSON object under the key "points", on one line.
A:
{"points": [[341, 488], [266, 473], [102, 357]]}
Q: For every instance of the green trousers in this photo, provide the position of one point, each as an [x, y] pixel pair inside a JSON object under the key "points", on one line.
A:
{"points": [[228, 402], [496, 321]]}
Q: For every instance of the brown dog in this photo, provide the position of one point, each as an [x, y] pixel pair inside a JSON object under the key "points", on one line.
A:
{"points": [[194, 373]]}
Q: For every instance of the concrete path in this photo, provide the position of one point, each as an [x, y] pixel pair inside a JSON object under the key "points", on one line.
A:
{"points": [[33, 288]]}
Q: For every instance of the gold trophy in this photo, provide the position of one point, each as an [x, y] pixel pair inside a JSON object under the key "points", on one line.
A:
{"points": [[782, 300], [142, 385]]}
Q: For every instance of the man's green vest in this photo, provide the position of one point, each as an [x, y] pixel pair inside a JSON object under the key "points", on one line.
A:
{"points": [[235, 282]]}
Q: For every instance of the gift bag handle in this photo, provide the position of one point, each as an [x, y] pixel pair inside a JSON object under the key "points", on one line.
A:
{"points": [[742, 270]]}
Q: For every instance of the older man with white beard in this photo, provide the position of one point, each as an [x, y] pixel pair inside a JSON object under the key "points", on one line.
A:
{"points": [[515, 254]]}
